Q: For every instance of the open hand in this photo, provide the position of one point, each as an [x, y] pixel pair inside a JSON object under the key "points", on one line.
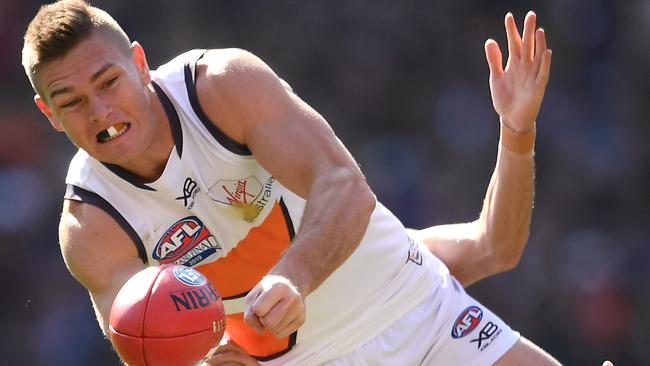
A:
{"points": [[275, 305], [517, 90]]}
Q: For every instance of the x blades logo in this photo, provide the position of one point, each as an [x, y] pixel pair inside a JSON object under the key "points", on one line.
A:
{"points": [[488, 334], [190, 189]]}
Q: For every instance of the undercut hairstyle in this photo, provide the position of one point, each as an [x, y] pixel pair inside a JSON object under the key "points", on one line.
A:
{"points": [[59, 27]]}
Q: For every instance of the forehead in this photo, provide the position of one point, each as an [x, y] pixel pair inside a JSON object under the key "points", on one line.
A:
{"points": [[81, 62]]}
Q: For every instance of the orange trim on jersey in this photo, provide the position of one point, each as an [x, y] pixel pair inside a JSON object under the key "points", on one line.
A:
{"points": [[243, 267], [263, 347]]}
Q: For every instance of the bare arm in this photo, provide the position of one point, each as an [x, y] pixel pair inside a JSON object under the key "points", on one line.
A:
{"points": [[495, 241], [98, 253], [295, 144]]}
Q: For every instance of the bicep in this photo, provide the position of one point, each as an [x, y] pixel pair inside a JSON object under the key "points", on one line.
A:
{"points": [[298, 146], [98, 253], [287, 136]]}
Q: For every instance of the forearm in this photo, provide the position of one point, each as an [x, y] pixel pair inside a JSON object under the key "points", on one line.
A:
{"points": [[505, 218], [334, 221]]}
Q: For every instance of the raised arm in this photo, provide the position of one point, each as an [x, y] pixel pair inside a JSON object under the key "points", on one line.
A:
{"points": [[295, 144], [495, 241], [98, 253]]}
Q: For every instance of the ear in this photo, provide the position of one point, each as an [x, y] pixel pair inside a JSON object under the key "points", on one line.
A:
{"points": [[40, 103], [140, 60]]}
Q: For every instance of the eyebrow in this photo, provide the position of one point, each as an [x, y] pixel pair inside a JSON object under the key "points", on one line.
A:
{"points": [[93, 78]]}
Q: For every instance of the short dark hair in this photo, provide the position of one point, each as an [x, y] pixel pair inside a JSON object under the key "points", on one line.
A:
{"points": [[60, 26]]}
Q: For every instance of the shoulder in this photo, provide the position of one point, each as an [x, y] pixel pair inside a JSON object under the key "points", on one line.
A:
{"points": [[237, 73], [224, 65], [236, 87]]}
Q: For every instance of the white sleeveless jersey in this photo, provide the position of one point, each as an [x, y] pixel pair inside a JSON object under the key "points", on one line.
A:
{"points": [[215, 208]]}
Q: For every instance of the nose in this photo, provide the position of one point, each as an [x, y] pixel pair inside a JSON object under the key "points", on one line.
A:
{"points": [[99, 109]]}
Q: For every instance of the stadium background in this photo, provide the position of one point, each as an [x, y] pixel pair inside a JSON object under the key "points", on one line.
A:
{"points": [[404, 84]]}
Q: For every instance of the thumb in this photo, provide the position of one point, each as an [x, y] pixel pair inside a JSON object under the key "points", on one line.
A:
{"points": [[608, 363], [494, 58]]}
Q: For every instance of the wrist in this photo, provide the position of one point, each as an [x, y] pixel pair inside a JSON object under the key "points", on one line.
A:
{"points": [[519, 142], [294, 276]]}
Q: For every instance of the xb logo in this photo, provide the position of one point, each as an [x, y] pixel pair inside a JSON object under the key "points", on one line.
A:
{"points": [[488, 331], [190, 189]]}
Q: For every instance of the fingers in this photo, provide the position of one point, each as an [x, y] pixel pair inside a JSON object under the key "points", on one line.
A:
{"points": [[545, 68], [281, 310], [250, 316], [230, 354], [514, 40], [281, 314], [540, 47], [529, 37], [230, 358], [230, 346], [494, 58], [285, 318], [289, 328], [542, 58], [275, 305]]}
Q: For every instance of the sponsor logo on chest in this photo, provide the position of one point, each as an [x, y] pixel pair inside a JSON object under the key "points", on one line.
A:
{"points": [[186, 242], [246, 196]]}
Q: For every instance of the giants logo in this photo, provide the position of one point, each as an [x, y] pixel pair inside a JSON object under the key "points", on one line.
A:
{"points": [[414, 254], [194, 299], [466, 322], [187, 242]]}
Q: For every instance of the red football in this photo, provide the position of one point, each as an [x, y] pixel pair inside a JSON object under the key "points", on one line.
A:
{"points": [[166, 315]]}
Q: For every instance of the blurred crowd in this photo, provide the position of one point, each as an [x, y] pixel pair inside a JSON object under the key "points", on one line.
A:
{"points": [[404, 85]]}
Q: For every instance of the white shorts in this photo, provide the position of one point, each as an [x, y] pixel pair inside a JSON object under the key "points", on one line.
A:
{"points": [[448, 328]]}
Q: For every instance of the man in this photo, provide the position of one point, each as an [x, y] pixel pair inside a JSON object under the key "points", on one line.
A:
{"points": [[212, 161]]}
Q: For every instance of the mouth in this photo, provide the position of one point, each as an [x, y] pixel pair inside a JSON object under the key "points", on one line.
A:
{"points": [[113, 132]]}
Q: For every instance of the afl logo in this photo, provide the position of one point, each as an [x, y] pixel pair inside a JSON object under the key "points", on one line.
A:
{"points": [[189, 276], [179, 239], [466, 322]]}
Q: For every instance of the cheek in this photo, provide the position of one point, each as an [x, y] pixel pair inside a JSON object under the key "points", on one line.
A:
{"points": [[134, 100], [74, 136]]}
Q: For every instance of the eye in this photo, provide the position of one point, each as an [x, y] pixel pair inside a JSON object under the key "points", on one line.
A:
{"points": [[71, 103], [110, 82]]}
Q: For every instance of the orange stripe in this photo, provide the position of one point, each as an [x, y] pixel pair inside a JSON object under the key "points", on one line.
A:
{"points": [[259, 346], [242, 269]]}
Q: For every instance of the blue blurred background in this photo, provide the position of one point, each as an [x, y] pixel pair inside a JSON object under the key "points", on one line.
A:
{"points": [[404, 84]]}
